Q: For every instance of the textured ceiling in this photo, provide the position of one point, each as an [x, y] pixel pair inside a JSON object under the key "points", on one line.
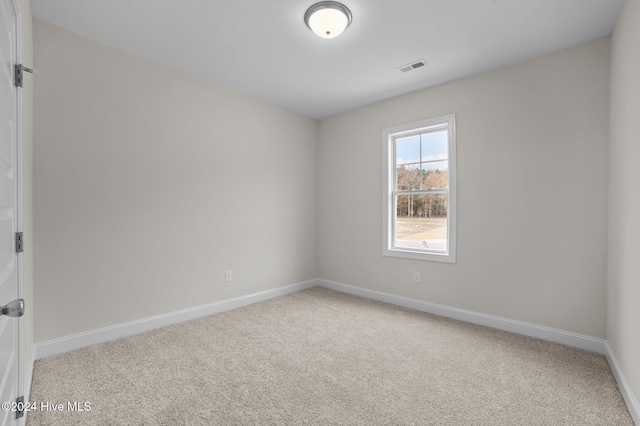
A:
{"points": [[263, 48]]}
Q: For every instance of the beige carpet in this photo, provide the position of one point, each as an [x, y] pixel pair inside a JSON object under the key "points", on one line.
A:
{"points": [[319, 357]]}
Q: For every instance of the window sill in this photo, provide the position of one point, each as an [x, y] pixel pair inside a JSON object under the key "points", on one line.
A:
{"points": [[419, 255]]}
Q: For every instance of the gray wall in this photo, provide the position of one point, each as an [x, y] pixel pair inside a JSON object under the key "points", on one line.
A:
{"points": [[623, 296], [532, 185], [149, 183]]}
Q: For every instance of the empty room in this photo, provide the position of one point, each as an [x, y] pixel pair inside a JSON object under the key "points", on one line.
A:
{"points": [[417, 212]]}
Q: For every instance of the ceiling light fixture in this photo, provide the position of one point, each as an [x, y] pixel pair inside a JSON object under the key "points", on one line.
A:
{"points": [[328, 19]]}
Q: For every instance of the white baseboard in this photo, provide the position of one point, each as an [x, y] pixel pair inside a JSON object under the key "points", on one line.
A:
{"points": [[540, 332], [627, 393], [101, 335]]}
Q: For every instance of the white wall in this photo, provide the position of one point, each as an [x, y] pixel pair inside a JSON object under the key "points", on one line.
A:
{"points": [[623, 296], [149, 183], [532, 185]]}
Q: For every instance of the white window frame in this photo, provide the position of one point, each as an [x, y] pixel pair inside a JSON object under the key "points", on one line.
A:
{"points": [[389, 190]]}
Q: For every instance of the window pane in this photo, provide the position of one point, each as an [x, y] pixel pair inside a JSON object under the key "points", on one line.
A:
{"points": [[421, 222], [408, 176], [408, 150], [435, 175], [434, 146]]}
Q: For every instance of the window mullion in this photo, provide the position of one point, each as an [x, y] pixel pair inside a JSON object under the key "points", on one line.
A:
{"points": [[421, 191], [420, 170]]}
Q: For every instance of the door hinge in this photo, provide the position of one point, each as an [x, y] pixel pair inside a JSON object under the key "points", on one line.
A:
{"points": [[19, 407], [19, 242], [17, 75]]}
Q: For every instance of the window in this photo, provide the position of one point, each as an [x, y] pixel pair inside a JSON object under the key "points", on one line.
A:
{"points": [[420, 190]]}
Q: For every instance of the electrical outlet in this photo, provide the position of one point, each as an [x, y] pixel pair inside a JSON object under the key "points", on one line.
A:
{"points": [[228, 275], [416, 276]]}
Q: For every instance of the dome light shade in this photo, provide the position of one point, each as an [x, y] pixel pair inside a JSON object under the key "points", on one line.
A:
{"points": [[328, 19]]}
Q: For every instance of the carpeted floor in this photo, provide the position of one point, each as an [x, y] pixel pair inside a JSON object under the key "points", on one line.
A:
{"points": [[319, 357]]}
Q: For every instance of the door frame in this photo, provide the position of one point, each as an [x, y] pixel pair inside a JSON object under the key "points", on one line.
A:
{"points": [[21, 346]]}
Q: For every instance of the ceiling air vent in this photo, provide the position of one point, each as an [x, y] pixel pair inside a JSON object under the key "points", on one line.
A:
{"points": [[412, 66]]}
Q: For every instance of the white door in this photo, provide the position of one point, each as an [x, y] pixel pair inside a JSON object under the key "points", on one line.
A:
{"points": [[10, 342]]}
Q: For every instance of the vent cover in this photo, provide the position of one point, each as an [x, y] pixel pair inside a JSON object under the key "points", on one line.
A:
{"points": [[412, 66]]}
